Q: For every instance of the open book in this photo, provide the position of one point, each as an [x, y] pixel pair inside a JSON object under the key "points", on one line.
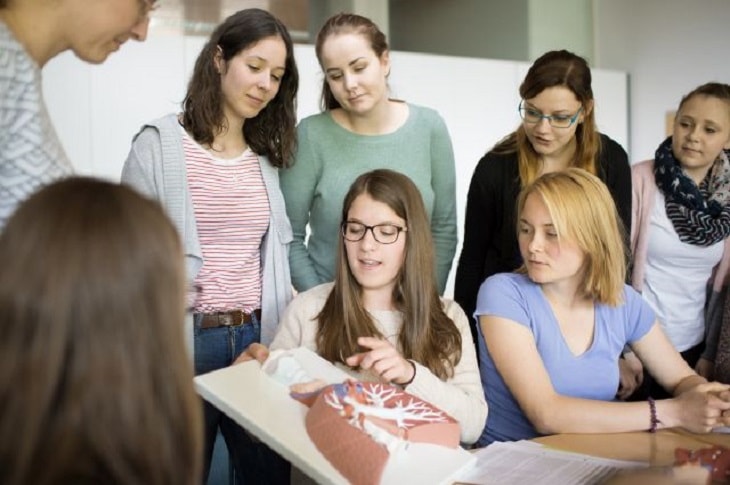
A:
{"points": [[264, 407]]}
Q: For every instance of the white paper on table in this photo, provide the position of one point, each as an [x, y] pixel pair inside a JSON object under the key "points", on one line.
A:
{"points": [[529, 462]]}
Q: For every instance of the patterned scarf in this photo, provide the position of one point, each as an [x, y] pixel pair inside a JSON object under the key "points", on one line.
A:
{"points": [[700, 215]]}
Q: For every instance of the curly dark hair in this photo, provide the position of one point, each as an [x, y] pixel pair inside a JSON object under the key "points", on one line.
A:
{"points": [[272, 132]]}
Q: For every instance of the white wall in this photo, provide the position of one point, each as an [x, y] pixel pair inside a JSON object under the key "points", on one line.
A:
{"points": [[668, 47], [98, 109]]}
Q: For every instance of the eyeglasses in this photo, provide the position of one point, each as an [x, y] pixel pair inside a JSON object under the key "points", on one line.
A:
{"points": [[533, 116], [383, 233]]}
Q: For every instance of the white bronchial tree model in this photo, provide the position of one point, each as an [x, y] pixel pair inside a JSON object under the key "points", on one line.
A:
{"points": [[358, 403]]}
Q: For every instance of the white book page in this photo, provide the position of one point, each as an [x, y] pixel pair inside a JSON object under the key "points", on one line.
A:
{"points": [[528, 462]]}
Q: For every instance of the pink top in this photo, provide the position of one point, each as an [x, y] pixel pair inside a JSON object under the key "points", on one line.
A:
{"points": [[643, 196], [232, 216]]}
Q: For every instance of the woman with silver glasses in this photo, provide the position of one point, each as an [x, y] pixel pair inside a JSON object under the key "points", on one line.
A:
{"points": [[558, 131]]}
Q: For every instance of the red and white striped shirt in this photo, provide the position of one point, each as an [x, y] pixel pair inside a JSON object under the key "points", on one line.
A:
{"points": [[232, 216]]}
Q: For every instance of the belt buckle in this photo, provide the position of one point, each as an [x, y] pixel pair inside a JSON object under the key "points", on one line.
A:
{"points": [[237, 318], [225, 319]]}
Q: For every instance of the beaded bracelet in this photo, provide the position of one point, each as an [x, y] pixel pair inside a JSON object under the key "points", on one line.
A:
{"points": [[652, 415]]}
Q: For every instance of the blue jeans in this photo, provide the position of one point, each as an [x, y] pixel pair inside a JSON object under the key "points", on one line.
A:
{"points": [[253, 461]]}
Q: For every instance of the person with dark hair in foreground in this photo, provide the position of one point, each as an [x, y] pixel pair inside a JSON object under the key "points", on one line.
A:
{"points": [[95, 381]]}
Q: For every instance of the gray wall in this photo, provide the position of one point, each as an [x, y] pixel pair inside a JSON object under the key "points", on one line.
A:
{"points": [[560, 24], [494, 29], [321, 10], [668, 47]]}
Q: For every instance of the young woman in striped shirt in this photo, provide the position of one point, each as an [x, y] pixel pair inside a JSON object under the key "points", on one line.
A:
{"points": [[215, 169]]}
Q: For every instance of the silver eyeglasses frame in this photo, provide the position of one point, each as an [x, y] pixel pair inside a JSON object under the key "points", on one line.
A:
{"points": [[556, 121]]}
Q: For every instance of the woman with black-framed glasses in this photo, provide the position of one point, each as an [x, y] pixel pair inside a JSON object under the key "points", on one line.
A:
{"points": [[382, 318], [558, 131], [385, 233]]}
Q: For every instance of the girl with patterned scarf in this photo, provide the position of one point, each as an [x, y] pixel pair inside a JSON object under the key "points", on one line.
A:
{"points": [[679, 233]]}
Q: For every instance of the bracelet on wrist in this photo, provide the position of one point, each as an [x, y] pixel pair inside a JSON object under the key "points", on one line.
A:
{"points": [[404, 384], [654, 421]]}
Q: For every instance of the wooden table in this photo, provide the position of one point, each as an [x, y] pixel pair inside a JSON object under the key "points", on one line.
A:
{"points": [[657, 449]]}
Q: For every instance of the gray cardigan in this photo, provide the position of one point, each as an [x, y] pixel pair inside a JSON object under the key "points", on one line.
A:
{"points": [[155, 167]]}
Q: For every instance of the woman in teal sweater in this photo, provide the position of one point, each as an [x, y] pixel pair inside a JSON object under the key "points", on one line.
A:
{"points": [[362, 129]]}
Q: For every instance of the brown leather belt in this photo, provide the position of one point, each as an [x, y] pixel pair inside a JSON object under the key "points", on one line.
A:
{"points": [[232, 318]]}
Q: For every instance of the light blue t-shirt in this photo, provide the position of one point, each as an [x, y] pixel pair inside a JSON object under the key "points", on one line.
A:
{"points": [[592, 375]]}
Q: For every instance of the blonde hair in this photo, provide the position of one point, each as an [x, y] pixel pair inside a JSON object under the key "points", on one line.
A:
{"points": [[583, 211]]}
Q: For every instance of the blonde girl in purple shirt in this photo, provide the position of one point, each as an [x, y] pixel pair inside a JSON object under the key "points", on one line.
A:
{"points": [[550, 336]]}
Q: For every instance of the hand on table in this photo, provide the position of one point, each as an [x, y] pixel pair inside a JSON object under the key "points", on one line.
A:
{"points": [[725, 396], [704, 407], [384, 360]]}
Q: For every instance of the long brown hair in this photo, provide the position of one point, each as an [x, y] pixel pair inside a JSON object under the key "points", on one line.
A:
{"points": [[347, 23], [95, 381], [556, 68], [428, 336], [272, 132]]}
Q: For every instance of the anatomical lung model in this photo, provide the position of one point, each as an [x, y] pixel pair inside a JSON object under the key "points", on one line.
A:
{"points": [[372, 433], [360, 426]]}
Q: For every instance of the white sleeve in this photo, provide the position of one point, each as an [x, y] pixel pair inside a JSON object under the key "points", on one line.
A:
{"points": [[462, 396]]}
